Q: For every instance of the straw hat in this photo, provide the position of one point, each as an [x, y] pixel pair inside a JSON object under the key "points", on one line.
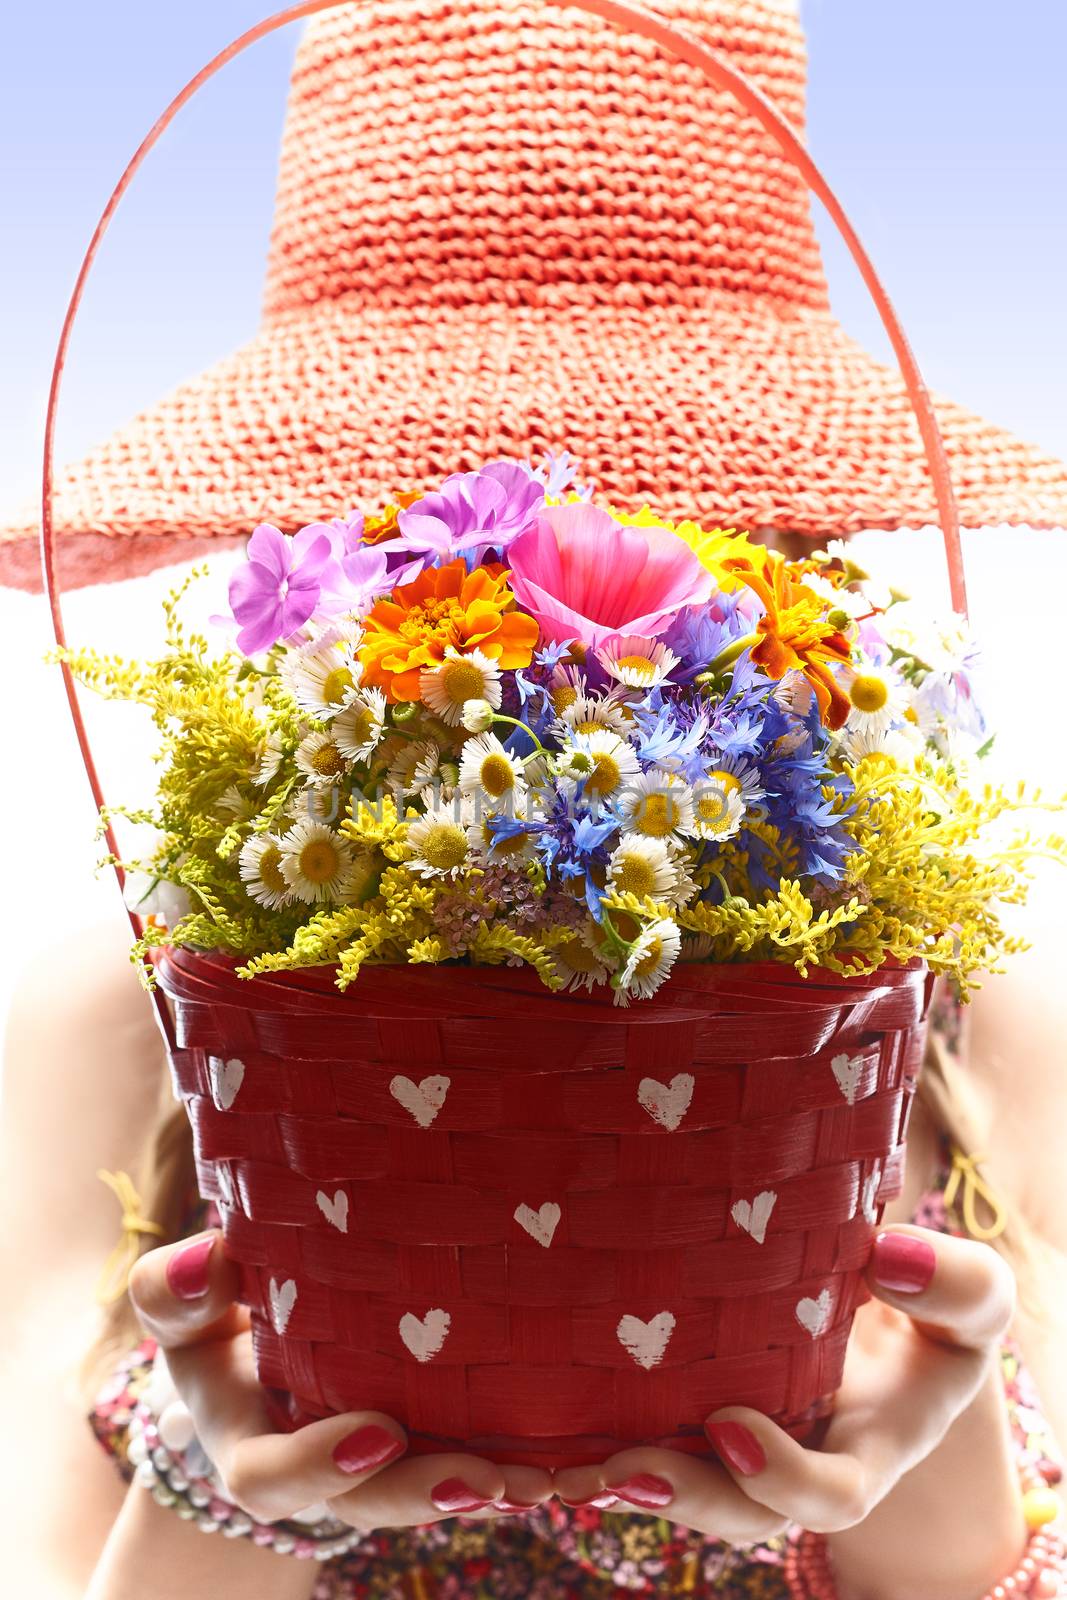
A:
{"points": [[502, 229]]}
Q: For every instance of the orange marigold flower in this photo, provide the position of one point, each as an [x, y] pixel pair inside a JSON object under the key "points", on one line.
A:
{"points": [[384, 524], [444, 606], [794, 634]]}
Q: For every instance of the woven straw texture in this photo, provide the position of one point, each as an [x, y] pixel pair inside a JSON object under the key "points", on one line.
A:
{"points": [[501, 229], [542, 1225]]}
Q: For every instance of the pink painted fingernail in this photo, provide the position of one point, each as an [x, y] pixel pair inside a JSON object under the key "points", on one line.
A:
{"points": [[903, 1263], [452, 1494], [644, 1489], [366, 1449], [187, 1269], [603, 1500], [738, 1447], [514, 1508]]}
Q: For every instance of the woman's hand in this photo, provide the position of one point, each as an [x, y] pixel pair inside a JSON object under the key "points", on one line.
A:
{"points": [[185, 1296], [918, 1355]]}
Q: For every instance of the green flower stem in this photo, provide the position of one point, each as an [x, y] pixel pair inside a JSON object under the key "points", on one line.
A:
{"points": [[539, 749], [727, 657]]}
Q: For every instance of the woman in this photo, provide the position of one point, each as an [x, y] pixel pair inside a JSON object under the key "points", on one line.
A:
{"points": [[608, 278]]}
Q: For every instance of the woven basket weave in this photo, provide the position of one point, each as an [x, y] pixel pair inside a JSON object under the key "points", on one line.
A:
{"points": [[388, 1166]]}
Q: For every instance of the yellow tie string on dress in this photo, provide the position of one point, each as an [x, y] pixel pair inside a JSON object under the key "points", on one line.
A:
{"points": [[966, 1176], [115, 1274]]}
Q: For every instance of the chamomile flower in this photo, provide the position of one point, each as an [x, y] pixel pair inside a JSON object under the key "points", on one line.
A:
{"points": [[500, 840], [446, 689], [600, 763], [850, 601], [697, 947], [900, 745], [580, 964], [272, 753], [320, 758], [643, 867], [734, 772], [323, 676], [658, 805], [315, 862], [491, 772], [439, 841], [477, 716], [319, 803], [648, 965], [260, 866], [358, 728], [414, 765], [638, 663], [232, 803], [718, 807], [877, 698], [586, 713], [794, 693]]}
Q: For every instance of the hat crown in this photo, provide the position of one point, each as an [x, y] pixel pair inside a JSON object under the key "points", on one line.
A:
{"points": [[486, 150]]}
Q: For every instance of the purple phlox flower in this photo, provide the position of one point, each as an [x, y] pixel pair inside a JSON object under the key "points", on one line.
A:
{"points": [[556, 474], [471, 513], [280, 586], [946, 707]]}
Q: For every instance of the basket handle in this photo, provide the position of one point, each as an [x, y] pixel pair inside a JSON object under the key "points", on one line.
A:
{"points": [[680, 44]]}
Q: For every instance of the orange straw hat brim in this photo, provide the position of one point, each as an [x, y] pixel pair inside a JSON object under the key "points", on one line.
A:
{"points": [[503, 228], [726, 411]]}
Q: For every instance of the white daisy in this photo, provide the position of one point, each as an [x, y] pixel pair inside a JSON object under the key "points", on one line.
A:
{"points": [[794, 693], [316, 862], [260, 866], [643, 867], [495, 850], [901, 745], [358, 728], [638, 663], [580, 964], [323, 675], [232, 803], [477, 716], [492, 773], [439, 840], [271, 753], [658, 804], [447, 688], [320, 758], [600, 762], [877, 698], [696, 947], [414, 764], [587, 713], [850, 601], [718, 807], [651, 957], [315, 803], [734, 772]]}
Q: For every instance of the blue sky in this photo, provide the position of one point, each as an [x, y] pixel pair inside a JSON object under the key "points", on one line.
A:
{"points": [[939, 121]]}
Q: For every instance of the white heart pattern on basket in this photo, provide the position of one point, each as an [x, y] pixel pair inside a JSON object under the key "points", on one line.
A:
{"points": [[752, 1216], [665, 1103], [542, 1224], [814, 1315], [226, 1078], [646, 1341], [423, 1100], [847, 1070], [336, 1210], [282, 1301], [424, 1336], [870, 1194]]}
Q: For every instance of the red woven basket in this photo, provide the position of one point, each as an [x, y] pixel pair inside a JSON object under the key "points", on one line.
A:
{"points": [[548, 1228], [541, 1225]]}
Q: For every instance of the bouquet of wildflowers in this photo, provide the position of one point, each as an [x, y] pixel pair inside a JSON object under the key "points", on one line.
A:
{"points": [[501, 723]]}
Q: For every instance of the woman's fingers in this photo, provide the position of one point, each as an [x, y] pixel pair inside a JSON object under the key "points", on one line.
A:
{"points": [[957, 1291], [907, 1378], [425, 1489], [665, 1483], [185, 1292]]}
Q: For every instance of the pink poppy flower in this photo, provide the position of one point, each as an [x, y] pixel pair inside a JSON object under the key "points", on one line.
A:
{"points": [[585, 576]]}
